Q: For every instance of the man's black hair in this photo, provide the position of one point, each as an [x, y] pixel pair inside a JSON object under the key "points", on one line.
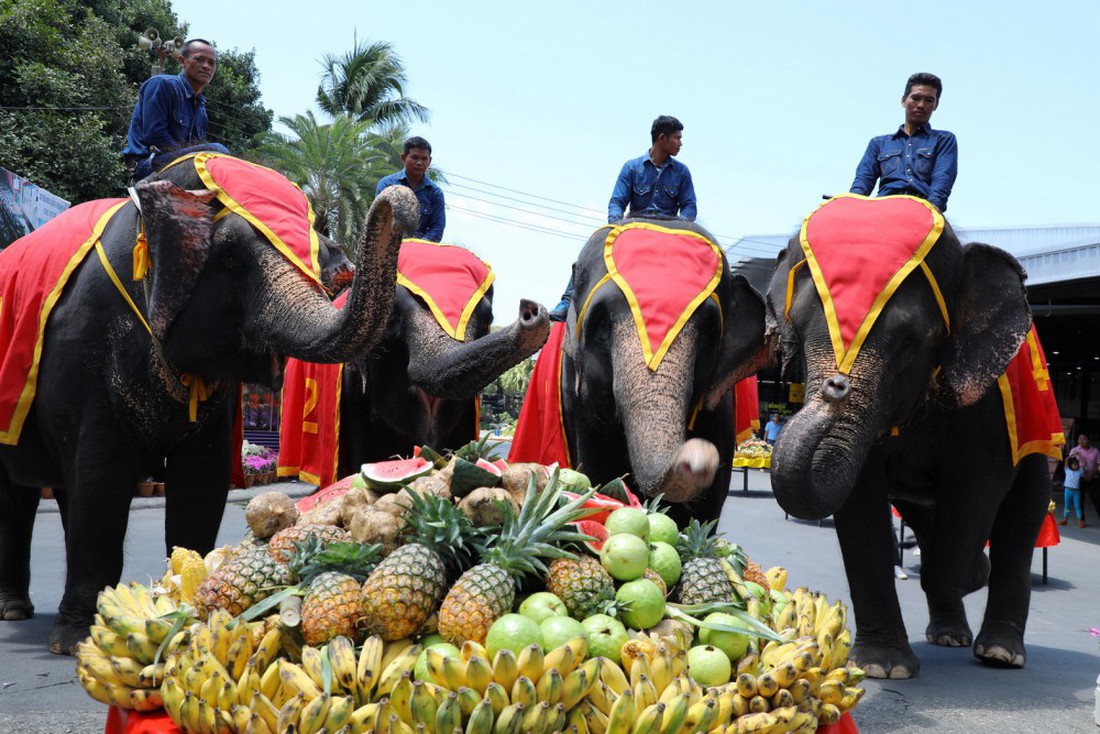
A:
{"points": [[925, 79], [665, 125], [186, 50], [419, 143]]}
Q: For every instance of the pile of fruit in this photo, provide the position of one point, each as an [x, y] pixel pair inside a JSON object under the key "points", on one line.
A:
{"points": [[560, 610], [752, 448]]}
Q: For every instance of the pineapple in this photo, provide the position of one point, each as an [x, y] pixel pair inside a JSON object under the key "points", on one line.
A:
{"points": [[703, 579], [331, 575], [582, 583], [403, 592], [752, 572], [487, 591], [241, 581], [282, 544]]}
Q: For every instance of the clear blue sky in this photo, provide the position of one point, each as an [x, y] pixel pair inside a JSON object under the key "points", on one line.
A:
{"points": [[778, 100]]}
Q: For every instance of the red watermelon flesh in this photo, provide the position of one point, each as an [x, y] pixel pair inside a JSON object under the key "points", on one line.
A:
{"points": [[331, 492], [605, 504], [597, 531], [500, 464], [491, 466], [388, 476]]}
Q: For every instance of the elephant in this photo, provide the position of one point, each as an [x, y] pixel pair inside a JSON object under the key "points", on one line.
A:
{"points": [[905, 411], [666, 420], [137, 373], [418, 385]]}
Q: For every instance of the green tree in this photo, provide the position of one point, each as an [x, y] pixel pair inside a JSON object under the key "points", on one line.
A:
{"points": [[368, 83]]}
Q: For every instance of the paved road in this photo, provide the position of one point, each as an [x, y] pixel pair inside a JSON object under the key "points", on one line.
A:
{"points": [[39, 693]]}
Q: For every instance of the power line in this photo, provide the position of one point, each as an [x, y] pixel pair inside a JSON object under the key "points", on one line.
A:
{"points": [[65, 109], [514, 223], [526, 211], [524, 193], [510, 198]]}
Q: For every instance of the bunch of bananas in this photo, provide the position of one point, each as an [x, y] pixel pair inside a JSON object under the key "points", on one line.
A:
{"points": [[186, 570], [119, 662], [214, 683]]}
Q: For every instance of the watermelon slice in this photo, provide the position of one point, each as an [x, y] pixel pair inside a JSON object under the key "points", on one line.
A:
{"points": [[597, 531], [390, 476], [605, 504], [468, 476], [331, 492], [618, 490], [500, 464]]}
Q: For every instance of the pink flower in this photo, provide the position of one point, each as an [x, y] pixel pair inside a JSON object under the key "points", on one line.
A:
{"points": [[1094, 632]]}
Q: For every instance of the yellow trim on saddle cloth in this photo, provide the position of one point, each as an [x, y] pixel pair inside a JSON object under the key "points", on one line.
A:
{"points": [[1050, 447], [458, 331], [313, 267], [846, 354], [30, 386], [561, 405], [653, 357], [196, 386]]}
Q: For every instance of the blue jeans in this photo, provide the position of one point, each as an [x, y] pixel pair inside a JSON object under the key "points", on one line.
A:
{"points": [[1073, 497], [146, 166]]}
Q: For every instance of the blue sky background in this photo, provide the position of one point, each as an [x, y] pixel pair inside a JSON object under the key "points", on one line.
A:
{"points": [[778, 100]]}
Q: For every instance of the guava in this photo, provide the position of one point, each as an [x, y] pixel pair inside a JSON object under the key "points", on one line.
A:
{"points": [[662, 528], [512, 632], [574, 479], [606, 637], [664, 559], [630, 520], [543, 604], [556, 631], [643, 604], [625, 556], [733, 644], [420, 668], [709, 666]]}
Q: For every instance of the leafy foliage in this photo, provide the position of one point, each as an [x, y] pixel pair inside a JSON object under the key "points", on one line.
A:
{"points": [[368, 83]]}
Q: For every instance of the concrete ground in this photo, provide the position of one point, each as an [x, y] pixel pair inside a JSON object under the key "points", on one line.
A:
{"points": [[39, 693]]}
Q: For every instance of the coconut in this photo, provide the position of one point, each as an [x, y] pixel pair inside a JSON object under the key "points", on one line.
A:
{"points": [[270, 512], [373, 526], [483, 506], [325, 513], [517, 476]]}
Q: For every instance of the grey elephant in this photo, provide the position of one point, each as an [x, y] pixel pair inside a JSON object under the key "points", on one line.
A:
{"points": [[910, 346], [657, 333], [418, 385], [136, 372]]}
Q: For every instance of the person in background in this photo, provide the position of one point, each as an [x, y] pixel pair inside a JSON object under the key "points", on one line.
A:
{"points": [[1073, 492], [1089, 457], [417, 156], [772, 429], [654, 184], [916, 160], [170, 118]]}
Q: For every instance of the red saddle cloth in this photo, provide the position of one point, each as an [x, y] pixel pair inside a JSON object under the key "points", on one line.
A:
{"points": [[34, 271], [1031, 412], [450, 280]]}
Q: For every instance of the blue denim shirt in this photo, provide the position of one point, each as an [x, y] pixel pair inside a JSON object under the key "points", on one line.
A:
{"points": [[669, 192], [168, 114], [923, 165], [430, 197]]}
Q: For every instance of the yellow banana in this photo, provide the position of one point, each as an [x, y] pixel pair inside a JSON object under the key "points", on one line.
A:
{"points": [[422, 705], [505, 668], [364, 718], [602, 697], [621, 718], [550, 687], [172, 694], [575, 722], [535, 717], [510, 720], [758, 704], [645, 693], [529, 662], [595, 720], [649, 720], [579, 646], [577, 684], [679, 713], [828, 713], [146, 699], [240, 717], [782, 698], [612, 675], [560, 659], [268, 711], [754, 723], [639, 669], [237, 655], [498, 696], [468, 698], [401, 698], [766, 685], [291, 712], [851, 698], [295, 680], [746, 685], [660, 668], [696, 719], [313, 714], [842, 648], [368, 667], [724, 709], [777, 578], [472, 648], [800, 690], [188, 717], [524, 691], [401, 663], [210, 689], [785, 674], [448, 716], [95, 687], [831, 691], [479, 673], [481, 718], [392, 649], [740, 705], [311, 663], [445, 670], [749, 663], [141, 648], [157, 628], [109, 641]]}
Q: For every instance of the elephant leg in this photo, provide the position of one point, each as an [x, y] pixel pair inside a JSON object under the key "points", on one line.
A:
{"points": [[864, 530], [1011, 546], [196, 486], [18, 508], [96, 510]]}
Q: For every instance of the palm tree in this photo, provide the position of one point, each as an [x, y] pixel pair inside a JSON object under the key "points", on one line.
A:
{"points": [[368, 83], [336, 165]]}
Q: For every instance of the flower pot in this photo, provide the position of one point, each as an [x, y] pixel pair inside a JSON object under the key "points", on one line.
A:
{"points": [[272, 477], [145, 489], [249, 480], [158, 489], [47, 493]]}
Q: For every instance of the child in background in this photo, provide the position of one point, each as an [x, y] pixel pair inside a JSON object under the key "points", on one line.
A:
{"points": [[1073, 491]]}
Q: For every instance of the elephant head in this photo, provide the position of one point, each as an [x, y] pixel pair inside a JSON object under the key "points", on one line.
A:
{"points": [[954, 320], [654, 392]]}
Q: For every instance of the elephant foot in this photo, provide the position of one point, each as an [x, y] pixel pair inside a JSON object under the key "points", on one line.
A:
{"points": [[66, 635], [895, 661], [949, 633], [1003, 648], [16, 610]]}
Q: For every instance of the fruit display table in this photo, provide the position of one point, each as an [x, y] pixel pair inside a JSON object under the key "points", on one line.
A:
{"points": [[743, 464], [121, 721]]}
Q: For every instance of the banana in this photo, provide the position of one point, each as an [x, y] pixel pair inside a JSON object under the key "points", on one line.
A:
{"points": [[295, 680], [312, 664], [782, 698], [401, 698], [831, 691], [481, 718], [577, 684], [188, 717], [313, 714], [401, 663], [95, 687], [638, 670], [237, 655], [240, 718], [777, 578], [579, 646], [749, 663], [725, 709], [151, 676], [172, 695], [536, 717], [392, 649], [602, 697], [842, 647], [766, 685], [785, 675], [803, 722], [364, 718], [800, 690], [787, 617], [645, 693], [109, 641], [479, 673], [422, 705], [612, 675], [758, 704], [141, 648], [555, 719], [157, 628], [529, 662], [510, 720], [448, 716], [649, 720], [549, 687], [696, 719], [560, 659], [267, 710], [621, 718], [208, 717], [208, 692], [368, 667], [850, 699], [468, 698], [291, 712], [505, 668], [754, 723], [740, 705], [445, 670], [228, 696], [660, 668], [524, 691], [575, 722], [746, 685], [498, 696]]}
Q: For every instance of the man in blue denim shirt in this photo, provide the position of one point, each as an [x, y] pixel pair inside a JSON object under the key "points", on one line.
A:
{"points": [[916, 160], [170, 116], [417, 156], [652, 185]]}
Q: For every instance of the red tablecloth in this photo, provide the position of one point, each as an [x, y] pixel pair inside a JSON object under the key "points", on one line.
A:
{"points": [[121, 721]]}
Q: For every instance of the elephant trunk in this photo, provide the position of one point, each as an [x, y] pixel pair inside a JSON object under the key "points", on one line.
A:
{"points": [[821, 451], [654, 409], [446, 368], [307, 327]]}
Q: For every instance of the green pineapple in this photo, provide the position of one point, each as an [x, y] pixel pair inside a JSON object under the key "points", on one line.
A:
{"points": [[244, 579], [582, 583], [703, 578], [283, 544], [487, 591], [331, 576], [403, 592]]}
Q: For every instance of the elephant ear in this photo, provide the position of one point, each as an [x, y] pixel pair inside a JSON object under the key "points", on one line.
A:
{"points": [[988, 325], [178, 227], [743, 351]]}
